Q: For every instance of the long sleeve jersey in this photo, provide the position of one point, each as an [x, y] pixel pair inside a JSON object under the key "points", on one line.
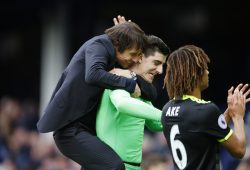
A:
{"points": [[120, 124]]}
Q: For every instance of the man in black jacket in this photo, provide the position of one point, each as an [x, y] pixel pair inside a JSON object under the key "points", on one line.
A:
{"points": [[72, 109]]}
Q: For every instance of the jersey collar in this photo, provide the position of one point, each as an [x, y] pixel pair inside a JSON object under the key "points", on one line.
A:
{"points": [[193, 98]]}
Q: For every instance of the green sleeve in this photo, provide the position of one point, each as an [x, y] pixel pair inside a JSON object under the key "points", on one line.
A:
{"points": [[154, 126], [126, 104]]}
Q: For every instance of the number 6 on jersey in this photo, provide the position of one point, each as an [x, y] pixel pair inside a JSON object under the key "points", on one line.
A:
{"points": [[175, 145]]}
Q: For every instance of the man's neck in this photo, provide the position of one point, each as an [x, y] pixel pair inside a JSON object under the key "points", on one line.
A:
{"points": [[196, 93], [135, 69]]}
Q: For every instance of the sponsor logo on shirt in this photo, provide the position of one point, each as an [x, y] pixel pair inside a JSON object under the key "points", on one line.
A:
{"points": [[222, 122]]}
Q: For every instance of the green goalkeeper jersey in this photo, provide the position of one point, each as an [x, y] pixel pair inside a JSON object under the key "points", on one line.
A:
{"points": [[120, 124]]}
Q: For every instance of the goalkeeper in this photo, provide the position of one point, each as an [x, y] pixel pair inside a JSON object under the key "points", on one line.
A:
{"points": [[121, 118]]}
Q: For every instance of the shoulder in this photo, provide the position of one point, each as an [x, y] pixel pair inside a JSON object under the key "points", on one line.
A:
{"points": [[211, 108], [106, 42], [119, 93], [211, 114], [100, 43], [206, 106]]}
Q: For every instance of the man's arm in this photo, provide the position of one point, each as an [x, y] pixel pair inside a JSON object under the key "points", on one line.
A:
{"points": [[153, 125], [97, 58], [125, 104], [236, 143]]}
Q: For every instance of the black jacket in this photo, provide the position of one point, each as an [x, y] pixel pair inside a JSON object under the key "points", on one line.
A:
{"points": [[82, 83]]}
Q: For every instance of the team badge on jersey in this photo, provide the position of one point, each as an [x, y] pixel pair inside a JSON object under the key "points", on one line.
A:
{"points": [[222, 122]]}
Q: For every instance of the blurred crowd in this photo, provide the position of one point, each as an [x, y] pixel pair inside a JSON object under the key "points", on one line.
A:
{"points": [[23, 148]]}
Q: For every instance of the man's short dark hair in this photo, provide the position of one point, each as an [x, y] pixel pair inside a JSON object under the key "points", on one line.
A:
{"points": [[155, 44], [127, 35]]}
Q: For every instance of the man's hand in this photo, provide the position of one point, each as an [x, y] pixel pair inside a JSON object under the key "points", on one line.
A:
{"points": [[241, 89], [127, 74], [121, 72], [237, 99], [120, 20]]}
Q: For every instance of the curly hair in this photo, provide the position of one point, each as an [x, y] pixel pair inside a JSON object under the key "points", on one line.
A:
{"points": [[185, 68]]}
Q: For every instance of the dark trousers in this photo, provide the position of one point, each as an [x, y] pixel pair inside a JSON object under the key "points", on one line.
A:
{"points": [[87, 149]]}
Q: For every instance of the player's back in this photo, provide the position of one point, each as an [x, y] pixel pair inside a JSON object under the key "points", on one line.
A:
{"points": [[188, 124]]}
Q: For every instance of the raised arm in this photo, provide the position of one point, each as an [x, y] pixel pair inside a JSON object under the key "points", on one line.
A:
{"points": [[230, 98], [236, 143]]}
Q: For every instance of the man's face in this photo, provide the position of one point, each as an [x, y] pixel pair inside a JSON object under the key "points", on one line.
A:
{"points": [[129, 57], [151, 66]]}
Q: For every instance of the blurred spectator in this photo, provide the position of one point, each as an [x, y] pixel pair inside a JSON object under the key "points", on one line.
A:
{"points": [[156, 154], [155, 161], [244, 164], [29, 116], [58, 163], [8, 165], [155, 142], [9, 112], [21, 147]]}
